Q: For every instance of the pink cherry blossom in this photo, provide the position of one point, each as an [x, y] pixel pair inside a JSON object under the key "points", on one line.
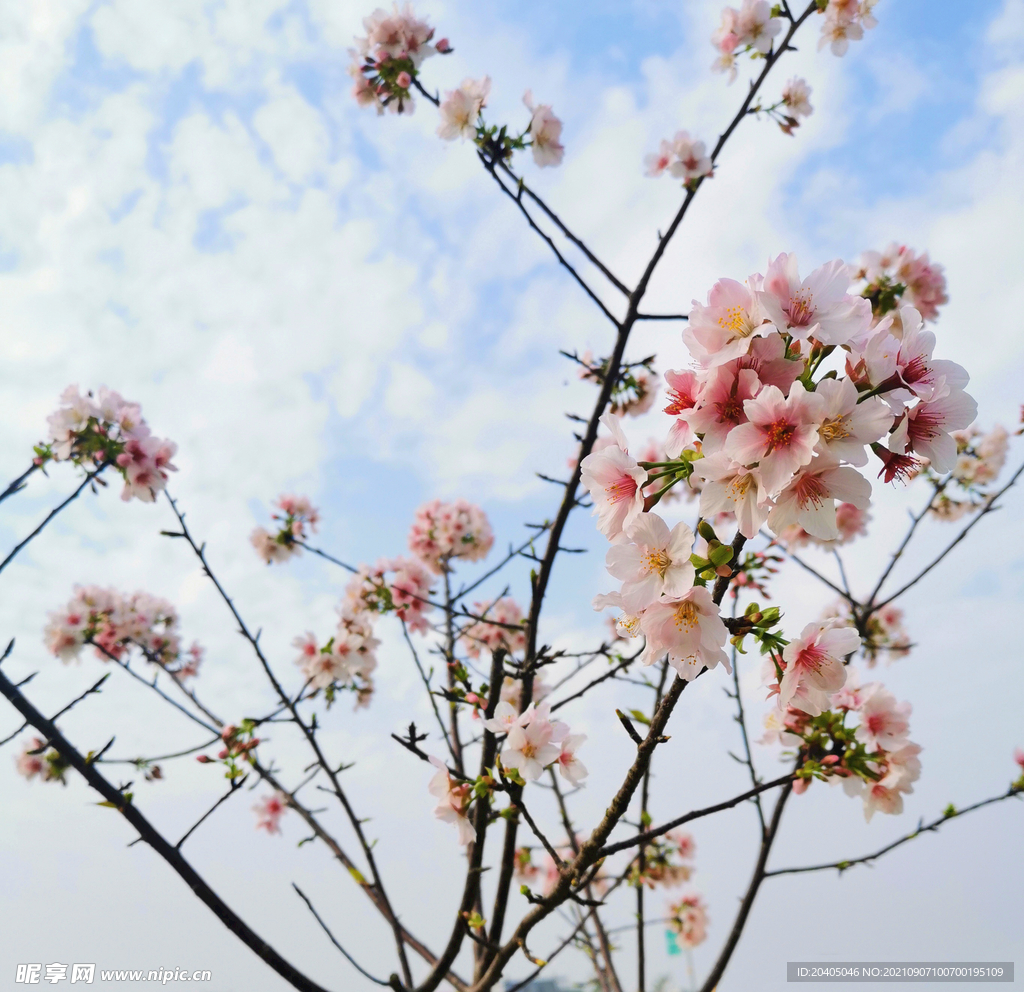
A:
{"points": [[815, 659], [756, 26], [452, 801], [809, 500], [653, 562], [731, 488], [926, 429], [443, 531], [460, 109], [780, 436], [626, 624], [683, 391], [768, 359], [615, 483], [532, 743], [657, 162], [884, 722], [691, 160], [722, 330], [849, 424], [269, 811], [569, 766], [721, 406], [480, 635], [31, 765], [689, 630], [688, 920], [545, 129], [819, 306], [796, 95]]}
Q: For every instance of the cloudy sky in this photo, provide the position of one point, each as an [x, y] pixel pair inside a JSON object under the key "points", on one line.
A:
{"points": [[309, 298]]}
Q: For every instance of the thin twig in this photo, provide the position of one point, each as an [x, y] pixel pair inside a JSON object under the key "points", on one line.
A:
{"points": [[922, 828], [394, 983], [85, 482]]}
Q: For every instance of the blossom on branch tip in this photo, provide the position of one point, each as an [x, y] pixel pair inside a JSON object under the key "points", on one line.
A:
{"points": [[569, 766], [544, 129], [504, 613], [461, 108], [926, 429], [796, 96], [93, 431], [533, 742], [443, 531]]}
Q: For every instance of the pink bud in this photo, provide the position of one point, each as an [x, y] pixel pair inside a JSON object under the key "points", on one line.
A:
{"points": [[223, 754], [443, 46], [472, 697], [800, 786], [404, 80], [830, 759], [203, 759]]}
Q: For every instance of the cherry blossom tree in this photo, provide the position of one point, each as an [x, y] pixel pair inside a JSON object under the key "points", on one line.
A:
{"points": [[792, 395]]}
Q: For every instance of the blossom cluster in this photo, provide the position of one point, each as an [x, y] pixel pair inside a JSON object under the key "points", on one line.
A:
{"points": [[883, 632], [442, 531], [387, 60], [688, 920], [105, 429], [532, 743], [634, 390], [899, 277], [543, 873], [504, 614], [38, 761], [461, 113], [403, 586], [979, 460], [238, 742], [775, 437], [296, 518], [751, 29], [845, 21], [668, 861], [115, 623], [815, 696], [683, 157]]}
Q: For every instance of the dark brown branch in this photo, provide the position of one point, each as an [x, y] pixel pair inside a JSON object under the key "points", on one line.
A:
{"points": [[394, 983], [922, 828], [489, 162], [236, 784], [155, 840], [60, 506], [19, 483], [605, 271], [696, 814], [990, 505], [308, 731], [711, 983]]}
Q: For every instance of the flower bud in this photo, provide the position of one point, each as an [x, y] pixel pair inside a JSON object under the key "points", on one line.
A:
{"points": [[404, 80]]}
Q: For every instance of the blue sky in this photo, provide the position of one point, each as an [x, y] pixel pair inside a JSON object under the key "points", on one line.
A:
{"points": [[310, 298]]}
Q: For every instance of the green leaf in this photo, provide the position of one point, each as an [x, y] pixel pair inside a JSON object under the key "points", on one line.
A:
{"points": [[721, 555], [639, 717]]}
